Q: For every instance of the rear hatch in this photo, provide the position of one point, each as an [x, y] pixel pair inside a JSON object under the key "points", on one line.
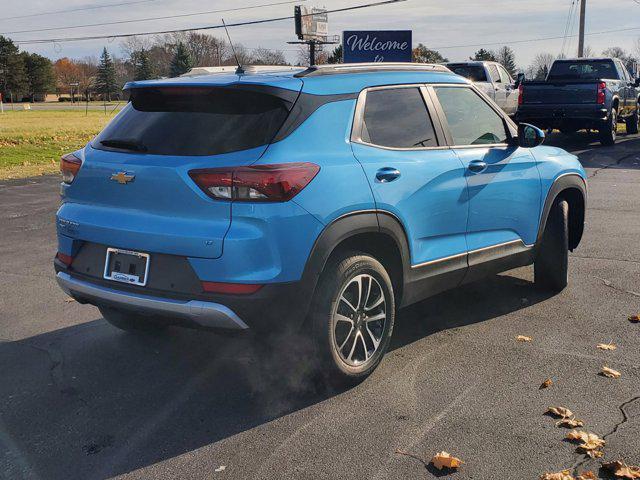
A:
{"points": [[560, 93], [134, 191]]}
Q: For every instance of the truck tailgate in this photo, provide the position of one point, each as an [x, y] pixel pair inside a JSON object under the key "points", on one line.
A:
{"points": [[552, 93]]}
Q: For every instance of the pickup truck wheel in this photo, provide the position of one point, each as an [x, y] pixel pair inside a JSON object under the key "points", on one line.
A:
{"points": [[130, 322], [632, 122], [609, 130], [352, 317], [551, 267]]}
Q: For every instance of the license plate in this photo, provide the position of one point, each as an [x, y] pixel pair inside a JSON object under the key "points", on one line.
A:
{"points": [[126, 266]]}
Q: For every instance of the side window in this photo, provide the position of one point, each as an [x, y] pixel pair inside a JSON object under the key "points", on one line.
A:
{"points": [[493, 71], [504, 75], [397, 118], [471, 120]]}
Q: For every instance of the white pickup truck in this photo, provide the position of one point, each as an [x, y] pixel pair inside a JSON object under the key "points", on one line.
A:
{"points": [[493, 79]]}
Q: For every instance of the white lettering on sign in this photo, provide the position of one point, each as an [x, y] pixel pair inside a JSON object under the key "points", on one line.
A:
{"points": [[372, 44]]}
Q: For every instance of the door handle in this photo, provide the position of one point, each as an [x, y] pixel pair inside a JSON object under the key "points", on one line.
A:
{"points": [[387, 174], [477, 166]]}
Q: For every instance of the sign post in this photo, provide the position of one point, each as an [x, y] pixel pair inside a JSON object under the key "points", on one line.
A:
{"points": [[312, 28], [376, 46]]}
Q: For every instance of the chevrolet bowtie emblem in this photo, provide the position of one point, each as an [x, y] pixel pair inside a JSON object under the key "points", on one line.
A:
{"points": [[123, 177]]}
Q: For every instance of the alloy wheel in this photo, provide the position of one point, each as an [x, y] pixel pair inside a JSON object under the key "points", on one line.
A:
{"points": [[359, 319]]}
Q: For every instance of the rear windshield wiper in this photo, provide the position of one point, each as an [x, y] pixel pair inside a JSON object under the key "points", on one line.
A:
{"points": [[124, 144]]}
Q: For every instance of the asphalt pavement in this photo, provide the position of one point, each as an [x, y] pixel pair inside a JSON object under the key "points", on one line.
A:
{"points": [[81, 400]]}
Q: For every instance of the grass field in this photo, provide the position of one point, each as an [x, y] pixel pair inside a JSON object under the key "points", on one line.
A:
{"points": [[31, 142]]}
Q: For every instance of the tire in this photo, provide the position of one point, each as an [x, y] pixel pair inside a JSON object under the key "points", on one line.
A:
{"points": [[609, 130], [551, 267], [130, 322], [632, 122], [345, 326]]}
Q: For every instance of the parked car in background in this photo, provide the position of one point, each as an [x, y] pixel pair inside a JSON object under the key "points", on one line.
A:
{"points": [[324, 199], [582, 93], [493, 79]]}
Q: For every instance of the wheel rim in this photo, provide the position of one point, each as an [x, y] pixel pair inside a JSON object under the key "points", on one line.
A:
{"points": [[359, 320]]}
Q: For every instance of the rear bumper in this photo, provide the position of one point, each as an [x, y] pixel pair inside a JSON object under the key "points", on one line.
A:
{"points": [[545, 116], [201, 313]]}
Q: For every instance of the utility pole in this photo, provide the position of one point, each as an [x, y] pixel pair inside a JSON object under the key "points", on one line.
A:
{"points": [[583, 8]]}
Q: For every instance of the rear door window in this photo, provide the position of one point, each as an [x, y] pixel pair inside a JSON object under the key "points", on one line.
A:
{"points": [[397, 118], [471, 120], [194, 121], [504, 75]]}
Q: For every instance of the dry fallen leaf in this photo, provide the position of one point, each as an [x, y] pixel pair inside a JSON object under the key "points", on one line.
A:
{"points": [[221, 468], [634, 318], [591, 443], [570, 423], [546, 384], [69, 300], [587, 476], [606, 346], [622, 470], [609, 372], [561, 412], [563, 475], [523, 338], [444, 460]]}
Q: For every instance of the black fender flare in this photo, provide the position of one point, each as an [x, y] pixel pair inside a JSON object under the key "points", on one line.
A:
{"points": [[567, 181]]}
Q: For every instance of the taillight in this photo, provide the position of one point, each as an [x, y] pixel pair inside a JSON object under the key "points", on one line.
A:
{"points": [[257, 183], [601, 93], [520, 95], [64, 258], [230, 288], [69, 166]]}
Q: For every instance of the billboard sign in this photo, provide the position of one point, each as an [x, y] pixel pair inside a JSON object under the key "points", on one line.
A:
{"points": [[376, 46], [312, 23]]}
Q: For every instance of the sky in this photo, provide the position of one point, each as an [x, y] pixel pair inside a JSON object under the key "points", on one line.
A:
{"points": [[456, 28]]}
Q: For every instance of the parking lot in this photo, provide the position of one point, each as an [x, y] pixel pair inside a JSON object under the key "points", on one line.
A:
{"points": [[80, 399]]}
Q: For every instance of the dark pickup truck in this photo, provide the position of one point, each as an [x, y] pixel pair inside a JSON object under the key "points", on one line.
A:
{"points": [[584, 93]]}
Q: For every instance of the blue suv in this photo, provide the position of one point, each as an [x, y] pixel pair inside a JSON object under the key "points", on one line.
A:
{"points": [[323, 198]]}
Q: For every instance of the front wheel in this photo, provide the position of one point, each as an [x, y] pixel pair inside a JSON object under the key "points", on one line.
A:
{"points": [[352, 316], [551, 267], [609, 130], [632, 122]]}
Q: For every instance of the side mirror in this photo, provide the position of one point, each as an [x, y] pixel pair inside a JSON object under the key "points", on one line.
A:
{"points": [[519, 80], [529, 136]]}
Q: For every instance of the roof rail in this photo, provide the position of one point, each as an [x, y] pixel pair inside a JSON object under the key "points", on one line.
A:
{"points": [[338, 68], [248, 69]]}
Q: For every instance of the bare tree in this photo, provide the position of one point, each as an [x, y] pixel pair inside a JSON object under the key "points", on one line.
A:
{"points": [[540, 66], [265, 56]]}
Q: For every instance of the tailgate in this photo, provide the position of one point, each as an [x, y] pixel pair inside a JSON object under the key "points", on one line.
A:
{"points": [[560, 93]]}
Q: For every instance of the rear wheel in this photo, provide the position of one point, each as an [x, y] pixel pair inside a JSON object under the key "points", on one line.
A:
{"points": [[551, 268], [632, 122], [352, 316], [609, 130], [131, 322]]}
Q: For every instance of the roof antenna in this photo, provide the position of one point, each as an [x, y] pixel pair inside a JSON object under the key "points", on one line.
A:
{"points": [[239, 70]]}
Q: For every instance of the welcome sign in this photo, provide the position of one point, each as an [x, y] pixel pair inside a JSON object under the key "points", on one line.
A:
{"points": [[376, 46]]}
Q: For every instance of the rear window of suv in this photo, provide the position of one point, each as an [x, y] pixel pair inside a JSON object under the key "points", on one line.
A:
{"points": [[582, 70], [194, 121]]}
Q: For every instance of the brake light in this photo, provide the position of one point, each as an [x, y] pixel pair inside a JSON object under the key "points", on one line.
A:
{"points": [[64, 258], [69, 166], [520, 95], [257, 183], [230, 288], [602, 86]]}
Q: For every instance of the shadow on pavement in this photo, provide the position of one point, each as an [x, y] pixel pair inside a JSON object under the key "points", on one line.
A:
{"points": [[90, 401]]}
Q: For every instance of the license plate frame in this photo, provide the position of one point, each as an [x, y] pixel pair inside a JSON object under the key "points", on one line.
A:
{"points": [[114, 274]]}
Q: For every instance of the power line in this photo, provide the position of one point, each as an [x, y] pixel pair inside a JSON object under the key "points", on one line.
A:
{"points": [[79, 9], [540, 39], [566, 26], [68, 27], [207, 27]]}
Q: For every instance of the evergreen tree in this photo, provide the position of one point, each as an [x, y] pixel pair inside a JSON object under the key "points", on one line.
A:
{"points": [[484, 56], [106, 76], [40, 77], [181, 62], [336, 55], [422, 54], [13, 78], [143, 70], [507, 58]]}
